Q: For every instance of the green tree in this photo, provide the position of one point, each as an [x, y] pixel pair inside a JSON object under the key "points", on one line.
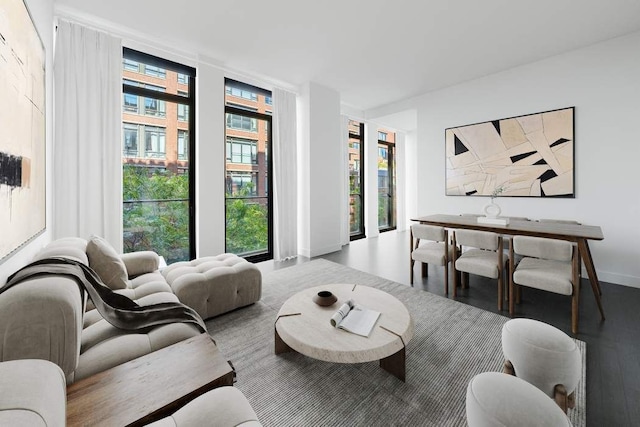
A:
{"points": [[246, 223], [156, 215], [156, 212]]}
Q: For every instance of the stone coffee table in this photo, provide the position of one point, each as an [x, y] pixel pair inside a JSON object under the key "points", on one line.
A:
{"points": [[304, 326]]}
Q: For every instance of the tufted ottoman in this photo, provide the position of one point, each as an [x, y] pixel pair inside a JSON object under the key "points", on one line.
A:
{"points": [[216, 284], [496, 399], [543, 356]]}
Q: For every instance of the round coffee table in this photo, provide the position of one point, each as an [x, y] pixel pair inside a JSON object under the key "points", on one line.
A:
{"points": [[305, 327]]}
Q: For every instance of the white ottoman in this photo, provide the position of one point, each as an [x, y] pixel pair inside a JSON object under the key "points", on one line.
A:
{"points": [[543, 356], [216, 284], [496, 399]]}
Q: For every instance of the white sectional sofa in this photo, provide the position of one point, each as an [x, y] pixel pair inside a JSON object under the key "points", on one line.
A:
{"points": [[47, 318]]}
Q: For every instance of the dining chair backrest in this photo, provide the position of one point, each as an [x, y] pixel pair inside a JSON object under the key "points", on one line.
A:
{"points": [[538, 247], [478, 239], [428, 232]]}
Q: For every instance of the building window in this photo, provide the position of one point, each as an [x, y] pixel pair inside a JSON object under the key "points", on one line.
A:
{"points": [[130, 103], [241, 93], [242, 151], [239, 181], [235, 121], [130, 139], [268, 100], [382, 136], [153, 71], [154, 107], [130, 65], [183, 144], [154, 142], [183, 112], [183, 78]]}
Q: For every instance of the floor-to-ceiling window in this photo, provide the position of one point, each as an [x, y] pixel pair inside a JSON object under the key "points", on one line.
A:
{"points": [[386, 181], [158, 156], [248, 174], [356, 179]]}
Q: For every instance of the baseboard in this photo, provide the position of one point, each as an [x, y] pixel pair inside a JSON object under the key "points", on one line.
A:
{"points": [[321, 251], [618, 279]]}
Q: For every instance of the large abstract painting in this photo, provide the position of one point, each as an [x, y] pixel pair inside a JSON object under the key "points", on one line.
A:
{"points": [[22, 128], [531, 155]]}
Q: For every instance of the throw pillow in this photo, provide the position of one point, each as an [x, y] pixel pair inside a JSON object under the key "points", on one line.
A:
{"points": [[106, 262]]}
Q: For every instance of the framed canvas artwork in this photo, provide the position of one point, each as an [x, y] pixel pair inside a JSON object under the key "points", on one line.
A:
{"points": [[22, 128], [527, 156]]}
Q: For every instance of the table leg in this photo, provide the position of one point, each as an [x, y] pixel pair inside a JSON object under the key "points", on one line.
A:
{"points": [[585, 253], [395, 364], [281, 346]]}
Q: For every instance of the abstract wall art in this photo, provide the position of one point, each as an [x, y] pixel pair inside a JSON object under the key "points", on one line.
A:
{"points": [[22, 128], [529, 156]]}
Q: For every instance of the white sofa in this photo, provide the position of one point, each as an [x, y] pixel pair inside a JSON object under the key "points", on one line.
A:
{"points": [[46, 317], [33, 393]]}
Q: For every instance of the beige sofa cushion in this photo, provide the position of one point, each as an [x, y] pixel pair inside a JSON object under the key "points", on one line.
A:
{"points": [[220, 407], [32, 393], [106, 262]]}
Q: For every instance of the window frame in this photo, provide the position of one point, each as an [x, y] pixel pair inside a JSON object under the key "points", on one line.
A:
{"points": [[129, 54], [360, 137], [230, 109]]}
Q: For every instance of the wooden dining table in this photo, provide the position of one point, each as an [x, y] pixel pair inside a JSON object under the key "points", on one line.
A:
{"points": [[580, 234]]}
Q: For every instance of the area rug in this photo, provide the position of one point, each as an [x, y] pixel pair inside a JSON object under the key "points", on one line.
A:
{"points": [[452, 343]]}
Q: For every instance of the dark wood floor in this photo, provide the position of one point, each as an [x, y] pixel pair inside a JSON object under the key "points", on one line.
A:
{"points": [[613, 346]]}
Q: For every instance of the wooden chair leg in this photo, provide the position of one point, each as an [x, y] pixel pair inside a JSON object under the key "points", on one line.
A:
{"points": [[518, 290], [465, 280], [560, 396], [508, 368], [575, 298], [411, 263], [500, 275], [425, 269], [511, 269], [446, 278], [456, 275], [575, 309], [500, 293]]}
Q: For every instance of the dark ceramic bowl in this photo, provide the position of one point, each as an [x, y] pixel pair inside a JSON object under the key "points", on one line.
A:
{"points": [[325, 298]]}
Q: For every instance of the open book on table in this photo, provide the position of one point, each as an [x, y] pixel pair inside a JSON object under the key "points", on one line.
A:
{"points": [[355, 318]]}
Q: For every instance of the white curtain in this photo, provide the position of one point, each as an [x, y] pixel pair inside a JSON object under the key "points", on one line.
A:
{"points": [[87, 164], [344, 175], [285, 179]]}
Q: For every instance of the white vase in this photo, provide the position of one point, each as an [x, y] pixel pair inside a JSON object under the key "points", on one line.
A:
{"points": [[491, 210]]}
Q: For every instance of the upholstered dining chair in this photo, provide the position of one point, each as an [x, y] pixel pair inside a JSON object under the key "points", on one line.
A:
{"points": [[547, 264], [430, 245], [483, 256]]}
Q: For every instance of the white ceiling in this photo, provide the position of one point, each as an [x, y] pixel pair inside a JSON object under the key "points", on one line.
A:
{"points": [[373, 52]]}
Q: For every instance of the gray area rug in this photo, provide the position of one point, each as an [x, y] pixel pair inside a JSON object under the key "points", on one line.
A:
{"points": [[452, 343]]}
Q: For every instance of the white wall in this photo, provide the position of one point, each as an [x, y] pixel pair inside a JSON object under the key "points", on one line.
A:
{"points": [[42, 14], [602, 81], [320, 180]]}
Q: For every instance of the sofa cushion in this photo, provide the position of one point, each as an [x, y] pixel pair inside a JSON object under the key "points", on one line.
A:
{"points": [[106, 262], [223, 406], [32, 393], [120, 346]]}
